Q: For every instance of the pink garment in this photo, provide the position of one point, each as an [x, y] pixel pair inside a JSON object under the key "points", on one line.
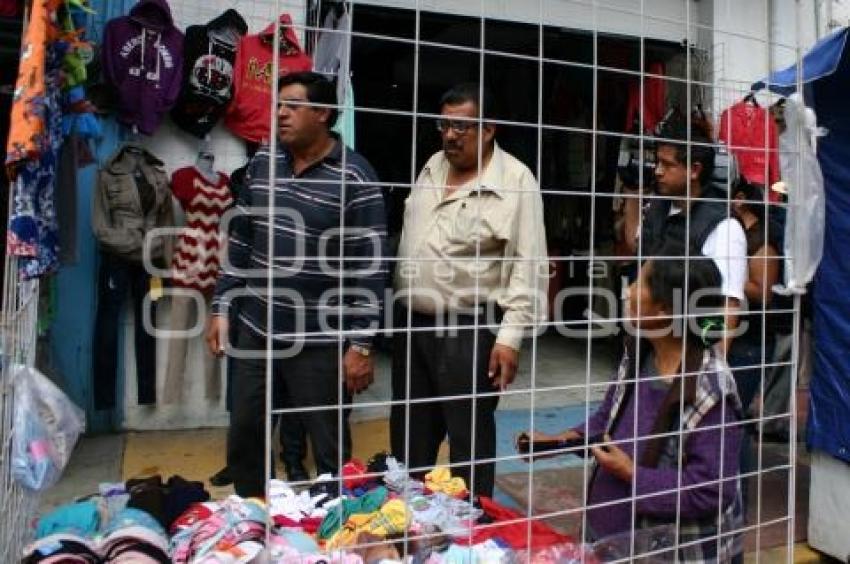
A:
{"points": [[654, 97], [751, 135]]}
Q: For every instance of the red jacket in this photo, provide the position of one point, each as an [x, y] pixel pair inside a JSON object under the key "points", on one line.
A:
{"points": [[742, 128], [249, 112]]}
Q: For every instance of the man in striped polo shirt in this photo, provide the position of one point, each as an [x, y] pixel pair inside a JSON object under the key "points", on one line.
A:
{"points": [[325, 260]]}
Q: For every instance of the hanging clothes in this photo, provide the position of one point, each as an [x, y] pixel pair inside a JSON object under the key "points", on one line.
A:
{"points": [[654, 99], [208, 58], [195, 266], [118, 277], [249, 114], [196, 258], [28, 132], [750, 132], [35, 138], [332, 58], [67, 192], [132, 198], [143, 60]]}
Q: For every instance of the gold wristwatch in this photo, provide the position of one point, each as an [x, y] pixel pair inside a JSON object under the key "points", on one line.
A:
{"points": [[360, 349]]}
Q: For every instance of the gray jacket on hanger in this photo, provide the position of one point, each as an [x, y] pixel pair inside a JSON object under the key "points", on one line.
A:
{"points": [[131, 198]]}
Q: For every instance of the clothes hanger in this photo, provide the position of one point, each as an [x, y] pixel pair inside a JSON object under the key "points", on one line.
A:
{"points": [[284, 41], [133, 144], [751, 98]]}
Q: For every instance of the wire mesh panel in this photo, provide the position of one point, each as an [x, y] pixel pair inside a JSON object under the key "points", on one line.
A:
{"points": [[18, 326], [537, 239], [573, 262]]}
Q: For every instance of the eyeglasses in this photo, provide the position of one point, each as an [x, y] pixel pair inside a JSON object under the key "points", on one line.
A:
{"points": [[294, 103], [458, 126]]}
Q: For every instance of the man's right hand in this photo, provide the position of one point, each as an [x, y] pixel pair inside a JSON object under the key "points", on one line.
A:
{"points": [[217, 334]]}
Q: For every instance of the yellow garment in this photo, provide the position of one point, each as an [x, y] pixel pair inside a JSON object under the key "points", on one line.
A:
{"points": [[440, 480], [392, 518]]}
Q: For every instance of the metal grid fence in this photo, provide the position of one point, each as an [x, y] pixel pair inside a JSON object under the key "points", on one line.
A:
{"points": [[18, 324], [20, 301]]}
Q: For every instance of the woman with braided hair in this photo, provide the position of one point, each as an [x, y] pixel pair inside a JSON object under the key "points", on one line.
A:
{"points": [[666, 438]]}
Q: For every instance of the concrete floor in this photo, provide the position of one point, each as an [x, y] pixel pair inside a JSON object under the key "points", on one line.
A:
{"points": [[560, 373], [559, 376]]}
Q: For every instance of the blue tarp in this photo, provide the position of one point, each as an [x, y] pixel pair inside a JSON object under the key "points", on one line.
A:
{"points": [[820, 62], [826, 75]]}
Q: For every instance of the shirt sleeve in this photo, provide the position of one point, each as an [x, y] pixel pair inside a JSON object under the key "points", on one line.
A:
{"points": [[727, 246], [238, 255], [524, 299], [181, 186], [597, 423], [702, 471], [364, 241]]}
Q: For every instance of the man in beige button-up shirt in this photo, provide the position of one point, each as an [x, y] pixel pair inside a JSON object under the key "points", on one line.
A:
{"points": [[473, 236]]}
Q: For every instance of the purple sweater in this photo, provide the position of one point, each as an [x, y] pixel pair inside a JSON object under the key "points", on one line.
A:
{"points": [[702, 453]]}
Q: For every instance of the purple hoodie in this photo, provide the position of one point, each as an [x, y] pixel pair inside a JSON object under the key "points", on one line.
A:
{"points": [[143, 60]]}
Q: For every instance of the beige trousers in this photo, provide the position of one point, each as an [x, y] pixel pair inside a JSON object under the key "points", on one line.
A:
{"points": [[184, 316]]}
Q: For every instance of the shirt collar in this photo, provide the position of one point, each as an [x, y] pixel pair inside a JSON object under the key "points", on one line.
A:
{"points": [[491, 177], [335, 156]]}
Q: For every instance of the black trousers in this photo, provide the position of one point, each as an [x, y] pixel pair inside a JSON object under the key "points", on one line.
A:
{"points": [[309, 379], [116, 278], [440, 367], [293, 437]]}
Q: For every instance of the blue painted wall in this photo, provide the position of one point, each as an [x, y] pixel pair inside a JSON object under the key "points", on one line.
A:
{"points": [[73, 327]]}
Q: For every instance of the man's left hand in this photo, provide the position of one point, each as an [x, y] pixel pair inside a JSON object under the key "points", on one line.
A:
{"points": [[503, 365], [359, 371], [614, 459]]}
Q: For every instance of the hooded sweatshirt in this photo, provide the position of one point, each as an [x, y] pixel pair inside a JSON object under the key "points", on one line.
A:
{"points": [[143, 60], [250, 111], [208, 56]]}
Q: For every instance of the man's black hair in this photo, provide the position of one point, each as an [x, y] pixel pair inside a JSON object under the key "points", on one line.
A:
{"points": [[675, 134], [319, 89], [470, 92]]}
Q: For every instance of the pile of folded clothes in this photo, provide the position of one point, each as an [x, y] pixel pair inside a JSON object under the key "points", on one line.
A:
{"points": [[123, 522], [75, 533], [371, 513]]}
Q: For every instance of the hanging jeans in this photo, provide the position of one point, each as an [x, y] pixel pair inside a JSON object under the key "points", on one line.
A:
{"points": [[116, 276], [186, 312]]}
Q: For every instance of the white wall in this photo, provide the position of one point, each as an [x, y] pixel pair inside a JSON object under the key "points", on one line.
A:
{"points": [[834, 13], [754, 37]]}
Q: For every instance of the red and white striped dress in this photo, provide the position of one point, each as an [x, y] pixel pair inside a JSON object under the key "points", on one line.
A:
{"points": [[198, 250]]}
